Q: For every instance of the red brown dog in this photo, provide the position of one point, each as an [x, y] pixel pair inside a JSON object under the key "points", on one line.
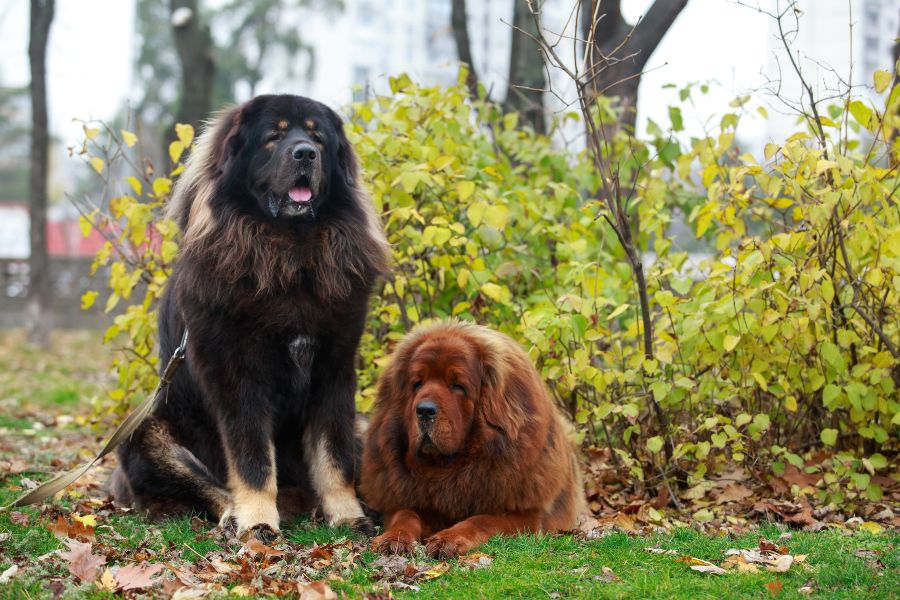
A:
{"points": [[465, 444]]}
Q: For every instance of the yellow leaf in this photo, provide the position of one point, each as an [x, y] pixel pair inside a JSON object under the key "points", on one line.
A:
{"points": [[475, 212], [436, 571], [823, 165], [872, 527], [85, 224], [98, 164], [464, 189], [161, 186], [175, 150], [496, 216], [496, 292], [87, 299], [770, 150], [135, 184], [442, 161], [882, 80], [185, 134], [619, 310], [129, 138], [90, 132], [86, 520], [730, 342]]}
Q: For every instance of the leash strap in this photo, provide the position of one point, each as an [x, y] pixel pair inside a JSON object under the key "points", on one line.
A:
{"points": [[124, 431]]}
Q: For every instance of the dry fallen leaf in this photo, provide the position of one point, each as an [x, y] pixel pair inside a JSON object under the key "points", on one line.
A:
{"points": [[137, 577], [8, 574], [19, 518], [316, 590], [774, 587], [107, 581], [658, 550], [734, 492], [606, 576], [476, 560], [780, 564], [435, 571], [82, 564], [257, 547], [698, 564]]}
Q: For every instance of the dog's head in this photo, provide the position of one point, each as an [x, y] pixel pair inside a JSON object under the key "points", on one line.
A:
{"points": [[282, 157], [290, 153], [456, 385]]}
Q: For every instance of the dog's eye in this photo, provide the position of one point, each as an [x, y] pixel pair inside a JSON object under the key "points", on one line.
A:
{"points": [[457, 388], [274, 136], [416, 385]]}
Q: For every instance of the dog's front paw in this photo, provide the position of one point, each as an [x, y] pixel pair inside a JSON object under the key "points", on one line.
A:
{"points": [[363, 527], [394, 541], [245, 528], [447, 544]]}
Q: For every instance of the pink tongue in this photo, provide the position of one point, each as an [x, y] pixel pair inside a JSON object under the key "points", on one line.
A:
{"points": [[301, 195]]}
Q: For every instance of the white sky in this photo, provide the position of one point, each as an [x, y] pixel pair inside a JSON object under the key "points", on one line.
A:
{"points": [[92, 48]]}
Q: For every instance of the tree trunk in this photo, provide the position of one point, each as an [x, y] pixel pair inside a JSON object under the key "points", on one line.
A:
{"points": [[615, 70], [196, 54], [37, 311], [460, 28], [527, 77]]}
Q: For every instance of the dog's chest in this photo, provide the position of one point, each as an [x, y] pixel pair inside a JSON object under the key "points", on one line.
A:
{"points": [[302, 350]]}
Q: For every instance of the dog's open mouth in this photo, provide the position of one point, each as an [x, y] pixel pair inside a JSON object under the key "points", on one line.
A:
{"points": [[301, 193]]}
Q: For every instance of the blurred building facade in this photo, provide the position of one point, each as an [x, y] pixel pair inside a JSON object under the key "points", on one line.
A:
{"points": [[838, 43]]}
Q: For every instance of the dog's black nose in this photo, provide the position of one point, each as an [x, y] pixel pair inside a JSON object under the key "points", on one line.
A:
{"points": [[304, 151], [426, 409]]}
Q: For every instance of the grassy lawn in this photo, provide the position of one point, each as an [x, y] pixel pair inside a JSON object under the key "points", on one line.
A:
{"points": [[42, 396]]}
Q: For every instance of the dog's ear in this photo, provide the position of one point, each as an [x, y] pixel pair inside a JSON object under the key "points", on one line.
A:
{"points": [[348, 165], [227, 137], [508, 384]]}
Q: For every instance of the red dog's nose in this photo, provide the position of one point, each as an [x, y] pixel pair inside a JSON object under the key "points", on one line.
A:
{"points": [[426, 409]]}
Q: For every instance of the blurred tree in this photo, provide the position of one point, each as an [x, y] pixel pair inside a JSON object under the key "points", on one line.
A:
{"points": [[194, 43], [37, 317], [459, 24], [213, 73], [620, 51], [16, 136], [527, 74]]}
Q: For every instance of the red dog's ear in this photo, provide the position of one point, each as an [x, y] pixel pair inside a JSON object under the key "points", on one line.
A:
{"points": [[508, 384]]}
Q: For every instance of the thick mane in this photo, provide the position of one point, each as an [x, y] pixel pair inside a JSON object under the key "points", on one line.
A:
{"points": [[343, 251]]}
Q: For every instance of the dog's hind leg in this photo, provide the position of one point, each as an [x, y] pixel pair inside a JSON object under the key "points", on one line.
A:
{"points": [[160, 475]]}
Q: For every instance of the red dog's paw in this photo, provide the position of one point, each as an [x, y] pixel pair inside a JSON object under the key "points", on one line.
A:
{"points": [[446, 544], [394, 542]]}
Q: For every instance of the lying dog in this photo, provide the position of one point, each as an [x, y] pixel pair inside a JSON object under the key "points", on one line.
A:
{"points": [[464, 444]]}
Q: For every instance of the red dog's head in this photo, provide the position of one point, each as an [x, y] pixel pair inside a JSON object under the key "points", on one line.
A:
{"points": [[456, 385]]}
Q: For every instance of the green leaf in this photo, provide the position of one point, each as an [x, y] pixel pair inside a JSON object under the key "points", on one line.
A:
{"points": [[730, 342], [655, 444], [861, 112], [878, 461]]}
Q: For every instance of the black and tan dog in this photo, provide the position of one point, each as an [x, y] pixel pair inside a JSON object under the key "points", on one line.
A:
{"points": [[281, 249]]}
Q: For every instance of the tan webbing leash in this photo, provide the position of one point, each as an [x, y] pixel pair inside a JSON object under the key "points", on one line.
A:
{"points": [[123, 432]]}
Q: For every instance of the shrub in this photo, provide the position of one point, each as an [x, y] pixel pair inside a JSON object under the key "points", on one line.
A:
{"points": [[784, 352]]}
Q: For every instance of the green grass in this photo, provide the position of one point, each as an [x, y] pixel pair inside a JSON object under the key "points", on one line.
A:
{"points": [[38, 386], [530, 566]]}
